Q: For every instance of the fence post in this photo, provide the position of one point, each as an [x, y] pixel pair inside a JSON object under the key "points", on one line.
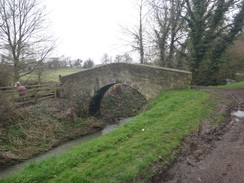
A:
{"points": [[55, 91], [35, 95], [13, 96]]}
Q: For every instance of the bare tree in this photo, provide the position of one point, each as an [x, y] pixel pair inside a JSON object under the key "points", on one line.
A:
{"points": [[139, 37], [40, 70], [118, 58], [123, 58], [106, 59], [23, 36], [168, 29], [136, 33]]}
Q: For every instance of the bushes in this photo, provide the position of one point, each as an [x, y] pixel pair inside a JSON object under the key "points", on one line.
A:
{"points": [[5, 77], [8, 111], [30, 130]]}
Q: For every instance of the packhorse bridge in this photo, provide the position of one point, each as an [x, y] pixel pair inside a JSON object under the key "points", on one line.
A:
{"points": [[87, 88]]}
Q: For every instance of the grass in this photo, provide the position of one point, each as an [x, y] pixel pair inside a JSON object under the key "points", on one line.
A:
{"points": [[125, 154], [231, 86], [51, 75]]}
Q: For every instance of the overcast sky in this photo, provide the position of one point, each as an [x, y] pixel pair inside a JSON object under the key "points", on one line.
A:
{"points": [[90, 28]]}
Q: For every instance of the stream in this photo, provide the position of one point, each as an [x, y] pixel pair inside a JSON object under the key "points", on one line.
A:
{"points": [[61, 149]]}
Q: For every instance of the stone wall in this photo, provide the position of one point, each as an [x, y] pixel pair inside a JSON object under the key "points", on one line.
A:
{"points": [[88, 87]]}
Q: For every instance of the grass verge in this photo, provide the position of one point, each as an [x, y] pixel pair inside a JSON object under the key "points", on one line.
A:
{"points": [[125, 154], [231, 86]]}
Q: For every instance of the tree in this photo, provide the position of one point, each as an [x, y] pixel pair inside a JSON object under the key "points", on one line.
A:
{"points": [[233, 59], [118, 58], [123, 58], [54, 63], [88, 64], [105, 59], [139, 37], [211, 31], [168, 29], [40, 69], [23, 34], [78, 63], [127, 58], [137, 32], [5, 77]]}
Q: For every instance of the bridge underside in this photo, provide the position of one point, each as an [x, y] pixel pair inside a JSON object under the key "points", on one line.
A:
{"points": [[95, 103], [94, 107]]}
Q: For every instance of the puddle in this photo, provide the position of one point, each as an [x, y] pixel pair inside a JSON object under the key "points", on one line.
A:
{"points": [[239, 114], [197, 153]]}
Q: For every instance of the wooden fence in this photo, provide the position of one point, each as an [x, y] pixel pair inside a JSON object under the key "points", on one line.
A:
{"points": [[34, 93]]}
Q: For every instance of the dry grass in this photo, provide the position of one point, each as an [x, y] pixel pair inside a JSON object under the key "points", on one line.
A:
{"points": [[31, 130], [7, 111]]}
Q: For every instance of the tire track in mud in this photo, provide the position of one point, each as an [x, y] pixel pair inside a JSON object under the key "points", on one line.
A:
{"points": [[212, 155]]}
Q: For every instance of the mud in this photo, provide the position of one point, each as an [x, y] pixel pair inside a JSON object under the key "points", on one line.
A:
{"points": [[212, 154]]}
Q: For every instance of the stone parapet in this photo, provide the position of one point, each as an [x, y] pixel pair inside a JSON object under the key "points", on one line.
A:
{"points": [[88, 87]]}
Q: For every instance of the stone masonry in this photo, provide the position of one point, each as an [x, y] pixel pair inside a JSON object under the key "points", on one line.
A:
{"points": [[88, 87]]}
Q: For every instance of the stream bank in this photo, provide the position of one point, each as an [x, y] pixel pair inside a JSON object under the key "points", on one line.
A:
{"points": [[27, 132], [61, 148], [39, 128]]}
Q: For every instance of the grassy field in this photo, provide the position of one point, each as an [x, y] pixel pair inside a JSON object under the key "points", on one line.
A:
{"points": [[51, 75], [125, 154]]}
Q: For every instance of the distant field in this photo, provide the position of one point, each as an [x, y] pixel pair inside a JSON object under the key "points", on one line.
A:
{"points": [[50, 75]]}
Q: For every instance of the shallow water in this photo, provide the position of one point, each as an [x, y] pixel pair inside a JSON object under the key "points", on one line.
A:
{"points": [[113, 126], [61, 149]]}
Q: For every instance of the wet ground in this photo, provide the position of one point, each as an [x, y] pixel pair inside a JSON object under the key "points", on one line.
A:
{"points": [[212, 155]]}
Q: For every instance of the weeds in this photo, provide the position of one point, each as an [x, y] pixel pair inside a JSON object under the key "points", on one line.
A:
{"points": [[109, 102], [31, 130], [8, 112]]}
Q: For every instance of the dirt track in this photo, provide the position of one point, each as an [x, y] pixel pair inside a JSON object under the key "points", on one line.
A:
{"points": [[212, 155]]}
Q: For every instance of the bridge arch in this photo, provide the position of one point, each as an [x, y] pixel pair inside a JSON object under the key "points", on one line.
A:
{"points": [[95, 103], [90, 85]]}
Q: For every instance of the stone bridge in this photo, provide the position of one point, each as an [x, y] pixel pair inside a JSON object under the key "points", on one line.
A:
{"points": [[87, 88]]}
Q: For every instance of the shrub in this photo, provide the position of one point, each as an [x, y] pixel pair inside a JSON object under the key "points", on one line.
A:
{"points": [[5, 77], [8, 111]]}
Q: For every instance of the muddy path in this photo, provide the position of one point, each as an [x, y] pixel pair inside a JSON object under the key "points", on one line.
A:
{"points": [[212, 155]]}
